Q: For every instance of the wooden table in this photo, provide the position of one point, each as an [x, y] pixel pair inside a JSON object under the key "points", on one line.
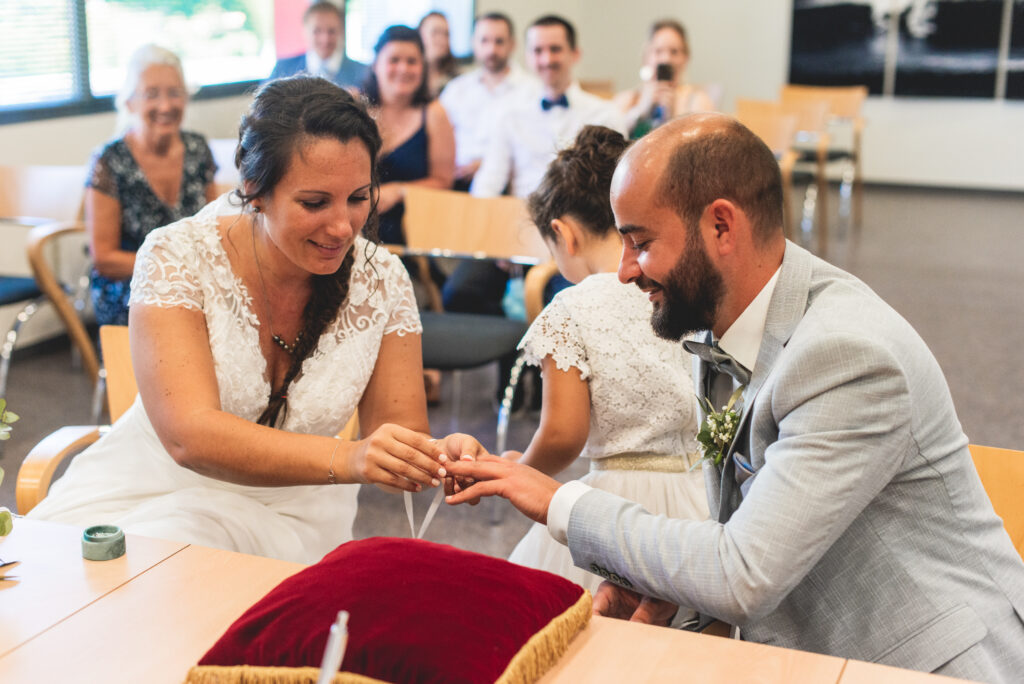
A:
{"points": [[156, 611]]}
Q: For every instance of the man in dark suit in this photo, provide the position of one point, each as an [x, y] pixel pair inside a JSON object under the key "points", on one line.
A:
{"points": [[324, 26]]}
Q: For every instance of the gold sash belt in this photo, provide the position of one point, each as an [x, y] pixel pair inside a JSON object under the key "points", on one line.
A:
{"points": [[646, 462]]}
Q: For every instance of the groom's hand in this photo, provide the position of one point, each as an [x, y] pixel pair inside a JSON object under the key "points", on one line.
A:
{"points": [[529, 490], [613, 601]]}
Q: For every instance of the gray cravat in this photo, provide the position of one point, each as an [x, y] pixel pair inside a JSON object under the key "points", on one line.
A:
{"points": [[717, 358]]}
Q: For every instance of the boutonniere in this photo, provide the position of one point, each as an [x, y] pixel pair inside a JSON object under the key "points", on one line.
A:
{"points": [[6, 417], [719, 427]]}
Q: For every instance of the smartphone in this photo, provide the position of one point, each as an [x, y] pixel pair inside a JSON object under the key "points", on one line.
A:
{"points": [[664, 72]]}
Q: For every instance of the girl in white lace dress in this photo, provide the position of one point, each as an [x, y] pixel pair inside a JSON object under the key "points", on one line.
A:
{"points": [[613, 392], [254, 339]]}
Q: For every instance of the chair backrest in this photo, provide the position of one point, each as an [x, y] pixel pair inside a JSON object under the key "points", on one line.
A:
{"points": [[121, 384], [51, 192], [769, 122], [1002, 474], [42, 255], [449, 223], [844, 102], [117, 361], [603, 87]]}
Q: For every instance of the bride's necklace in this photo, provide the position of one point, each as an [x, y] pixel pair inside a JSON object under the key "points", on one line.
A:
{"points": [[278, 340]]}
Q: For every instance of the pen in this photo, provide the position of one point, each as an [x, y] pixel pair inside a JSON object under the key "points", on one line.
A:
{"points": [[334, 653]]}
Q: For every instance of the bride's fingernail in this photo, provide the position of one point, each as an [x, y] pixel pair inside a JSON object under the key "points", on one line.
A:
{"points": [[435, 482], [442, 472], [442, 458], [467, 457]]}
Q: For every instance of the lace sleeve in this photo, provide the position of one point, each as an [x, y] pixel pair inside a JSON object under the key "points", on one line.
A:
{"points": [[101, 178], [166, 271], [403, 314], [554, 333]]}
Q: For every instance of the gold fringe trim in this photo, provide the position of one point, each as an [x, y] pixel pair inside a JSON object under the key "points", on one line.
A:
{"points": [[537, 656], [544, 648], [248, 674]]}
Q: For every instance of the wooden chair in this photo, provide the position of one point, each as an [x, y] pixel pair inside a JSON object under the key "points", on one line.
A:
{"points": [[1002, 474], [777, 130], [844, 112], [444, 223], [37, 470], [50, 248], [603, 88], [50, 192], [31, 196], [809, 129]]}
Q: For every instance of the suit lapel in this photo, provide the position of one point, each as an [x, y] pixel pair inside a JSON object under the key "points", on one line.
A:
{"points": [[786, 308]]}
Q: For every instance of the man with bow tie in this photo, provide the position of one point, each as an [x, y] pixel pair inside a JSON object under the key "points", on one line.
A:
{"points": [[532, 125], [847, 516], [541, 120]]}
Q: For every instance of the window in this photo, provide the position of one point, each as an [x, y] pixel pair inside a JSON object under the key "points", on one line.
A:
{"points": [[365, 20], [68, 56]]}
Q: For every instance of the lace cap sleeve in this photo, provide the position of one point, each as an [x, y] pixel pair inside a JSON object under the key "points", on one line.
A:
{"points": [[554, 333], [101, 176], [166, 270], [403, 314]]}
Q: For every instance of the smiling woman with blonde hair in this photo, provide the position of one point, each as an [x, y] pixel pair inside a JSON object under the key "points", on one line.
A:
{"points": [[153, 174]]}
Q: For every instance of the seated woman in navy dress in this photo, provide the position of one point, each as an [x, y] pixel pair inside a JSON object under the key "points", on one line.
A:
{"points": [[419, 145], [153, 175]]}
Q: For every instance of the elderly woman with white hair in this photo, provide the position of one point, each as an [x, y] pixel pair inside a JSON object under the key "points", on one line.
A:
{"points": [[151, 175]]}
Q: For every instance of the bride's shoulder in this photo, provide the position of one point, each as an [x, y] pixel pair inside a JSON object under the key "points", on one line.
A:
{"points": [[187, 239]]}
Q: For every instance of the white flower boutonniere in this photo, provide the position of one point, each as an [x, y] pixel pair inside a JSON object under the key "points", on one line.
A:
{"points": [[719, 427]]}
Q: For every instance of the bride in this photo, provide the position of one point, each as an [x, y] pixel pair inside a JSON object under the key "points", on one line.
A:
{"points": [[254, 338]]}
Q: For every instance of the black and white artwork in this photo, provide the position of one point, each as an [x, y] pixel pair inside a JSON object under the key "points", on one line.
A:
{"points": [[945, 48]]}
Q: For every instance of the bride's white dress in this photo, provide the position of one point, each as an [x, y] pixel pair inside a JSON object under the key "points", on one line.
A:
{"points": [[643, 410], [128, 478]]}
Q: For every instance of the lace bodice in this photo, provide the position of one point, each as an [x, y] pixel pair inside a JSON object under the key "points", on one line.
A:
{"points": [[185, 265], [641, 389]]}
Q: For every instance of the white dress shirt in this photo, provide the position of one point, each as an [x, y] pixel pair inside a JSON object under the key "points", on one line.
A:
{"points": [[742, 340], [473, 106], [526, 138], [324, 67]]}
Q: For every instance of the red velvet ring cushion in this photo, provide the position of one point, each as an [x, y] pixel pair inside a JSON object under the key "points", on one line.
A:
{"points": [[418, 612]]}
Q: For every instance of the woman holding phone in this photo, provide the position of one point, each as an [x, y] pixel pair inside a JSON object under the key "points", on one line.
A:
{"points": [[664, 93]]}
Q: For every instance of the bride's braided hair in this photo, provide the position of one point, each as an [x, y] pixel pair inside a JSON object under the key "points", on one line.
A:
{"points": [[285, 114]]}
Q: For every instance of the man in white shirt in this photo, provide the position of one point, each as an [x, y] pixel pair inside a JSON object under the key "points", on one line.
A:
{"points": [[537, 122], [533, 125], [474, 99], [324, 30], [848, 517]]}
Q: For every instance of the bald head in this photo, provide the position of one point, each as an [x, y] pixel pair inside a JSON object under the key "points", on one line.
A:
{"points": [[690, 162]]}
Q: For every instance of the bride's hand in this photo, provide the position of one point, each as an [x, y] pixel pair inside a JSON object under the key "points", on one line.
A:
{"points": [[455, 447], [396, 457]]}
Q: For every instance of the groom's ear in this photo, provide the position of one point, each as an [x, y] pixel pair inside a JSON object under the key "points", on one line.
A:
{"points": [[723, 219]]}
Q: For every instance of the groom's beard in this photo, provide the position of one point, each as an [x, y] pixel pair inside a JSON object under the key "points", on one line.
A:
{"points": [[691, 294]]}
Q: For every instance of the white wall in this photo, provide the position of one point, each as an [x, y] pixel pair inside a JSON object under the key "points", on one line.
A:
{"points": [[741, 45], [744, 47], [70, 140]]}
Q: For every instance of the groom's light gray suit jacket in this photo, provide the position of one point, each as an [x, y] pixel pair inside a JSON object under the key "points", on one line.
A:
{"points": [[864, 531]]}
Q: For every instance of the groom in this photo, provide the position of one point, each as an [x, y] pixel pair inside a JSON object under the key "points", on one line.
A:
{"points": [[848, 518]]}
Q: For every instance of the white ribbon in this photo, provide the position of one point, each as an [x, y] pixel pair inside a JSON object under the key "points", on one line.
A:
{"points": [[431, 512]]}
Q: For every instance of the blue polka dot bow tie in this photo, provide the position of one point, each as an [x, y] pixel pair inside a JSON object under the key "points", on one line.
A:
{"points": [[547, 104]]}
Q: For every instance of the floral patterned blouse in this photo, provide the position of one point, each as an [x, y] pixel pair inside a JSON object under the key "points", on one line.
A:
{"points": [[115, 173]]}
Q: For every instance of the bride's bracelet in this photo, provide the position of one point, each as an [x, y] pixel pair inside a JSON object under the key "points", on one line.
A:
{"points": [[331, 479]]}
